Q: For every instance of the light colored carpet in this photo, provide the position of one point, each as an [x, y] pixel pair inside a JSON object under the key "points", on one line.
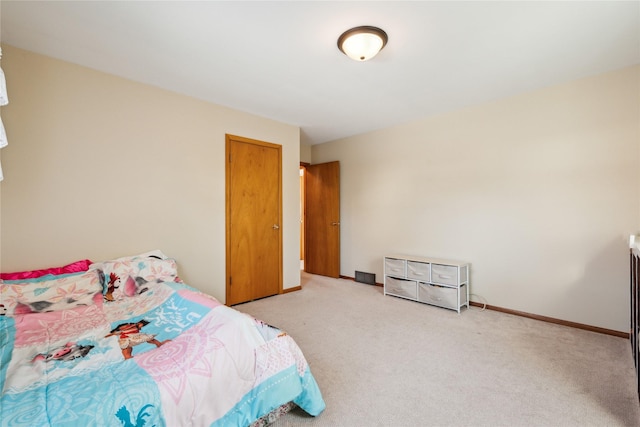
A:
{"points": [[386, 361]]}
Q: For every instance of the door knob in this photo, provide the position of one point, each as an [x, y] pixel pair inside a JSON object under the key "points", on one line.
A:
{"points": [[335, 223], [275, 226]]}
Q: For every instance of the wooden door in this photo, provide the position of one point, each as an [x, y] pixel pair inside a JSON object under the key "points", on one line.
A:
{"points": [[253, 219], [322, 221]]}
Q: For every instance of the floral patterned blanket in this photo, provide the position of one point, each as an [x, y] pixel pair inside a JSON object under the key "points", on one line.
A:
{"points": [[140, 351]]}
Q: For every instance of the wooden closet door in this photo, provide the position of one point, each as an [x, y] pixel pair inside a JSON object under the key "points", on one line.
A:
{"points": [[322, 222], [254, 217]]}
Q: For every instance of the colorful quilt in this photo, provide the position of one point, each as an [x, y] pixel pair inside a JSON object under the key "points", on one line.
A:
{"points": [[134, 350]]}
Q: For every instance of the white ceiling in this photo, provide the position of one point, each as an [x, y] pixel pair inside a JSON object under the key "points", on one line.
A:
{"points": [[280, 60]]}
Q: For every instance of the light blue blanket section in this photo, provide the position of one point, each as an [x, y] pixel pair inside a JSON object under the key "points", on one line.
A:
{"points": [[286, 386], [120, 394], [7, 338]]}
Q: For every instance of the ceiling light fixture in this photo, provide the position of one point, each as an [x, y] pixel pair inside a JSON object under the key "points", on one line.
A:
{"points": [[362, 43]]}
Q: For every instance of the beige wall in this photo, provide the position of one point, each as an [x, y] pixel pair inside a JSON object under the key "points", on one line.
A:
{"points": [[99, 167], [538, 192], [305, 152]]}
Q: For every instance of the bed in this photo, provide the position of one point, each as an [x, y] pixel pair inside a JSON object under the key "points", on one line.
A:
{"points": [[127, 343]]}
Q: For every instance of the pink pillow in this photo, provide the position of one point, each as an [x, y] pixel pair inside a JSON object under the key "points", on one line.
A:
{"points": [[74, 267]]}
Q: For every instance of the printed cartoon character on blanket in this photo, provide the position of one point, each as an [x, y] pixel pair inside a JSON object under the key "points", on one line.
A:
{"points": [[65, 353], [129, 336]]}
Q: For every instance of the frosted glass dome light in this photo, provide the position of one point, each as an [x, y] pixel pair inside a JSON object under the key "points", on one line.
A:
{"points": [[362, 43]]}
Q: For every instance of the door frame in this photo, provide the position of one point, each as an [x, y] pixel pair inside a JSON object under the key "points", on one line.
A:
{"points": [[303, 210]]}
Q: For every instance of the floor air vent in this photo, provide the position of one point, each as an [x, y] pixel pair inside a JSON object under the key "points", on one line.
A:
{"points": [[368, 278]]}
